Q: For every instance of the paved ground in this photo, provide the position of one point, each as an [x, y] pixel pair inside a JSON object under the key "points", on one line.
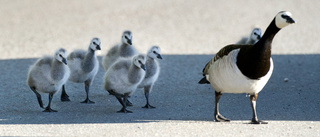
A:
{"points": [[189, 33]]}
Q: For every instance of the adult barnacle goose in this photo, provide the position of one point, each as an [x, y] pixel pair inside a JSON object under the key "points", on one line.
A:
{"points": [[244, 68]]}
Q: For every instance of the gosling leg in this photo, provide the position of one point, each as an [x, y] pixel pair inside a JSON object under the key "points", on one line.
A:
{"points": [[146, 94], [64, 95], [38, 96], [48, 108], [88, 101], [122, 102]]}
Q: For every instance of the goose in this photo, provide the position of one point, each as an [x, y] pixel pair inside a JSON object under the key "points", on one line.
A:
{"points": [[254, 37], [47, 75], [123, 78], [244, 68], [84, 66], [152, 72], [125, 49]]}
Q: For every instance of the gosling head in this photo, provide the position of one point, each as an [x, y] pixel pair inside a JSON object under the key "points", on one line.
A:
{"points": [[61, 55], [140, 61], [127, 37], [283, 19], [95, 44], [154, 52], [256, 34]]}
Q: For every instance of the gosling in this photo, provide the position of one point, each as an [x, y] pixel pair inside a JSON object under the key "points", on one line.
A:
{"points": [[125, 49], [152, 72], [84, 67], [47, 75], [254, 37], [123, 78]]}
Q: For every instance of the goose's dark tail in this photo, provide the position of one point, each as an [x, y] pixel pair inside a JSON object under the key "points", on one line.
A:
{"points": [[204, 81]]}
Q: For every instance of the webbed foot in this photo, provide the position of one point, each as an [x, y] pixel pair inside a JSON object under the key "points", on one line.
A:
{"points": [[88, 101], [48, 109], [124, 110], [128, 103], [220, 118], [148, 106], [64, 97], [258, 122]]}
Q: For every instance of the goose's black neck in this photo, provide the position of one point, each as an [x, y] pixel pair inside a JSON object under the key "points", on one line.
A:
{"points": [[266, 40], [254, 61]]}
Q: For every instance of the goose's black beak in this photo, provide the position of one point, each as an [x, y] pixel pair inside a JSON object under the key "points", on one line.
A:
{"points": [[291, 21], [64, 60], [129, 41], [98, 47], [143, 67], [159, 56], [288, 19], [258, 37]]}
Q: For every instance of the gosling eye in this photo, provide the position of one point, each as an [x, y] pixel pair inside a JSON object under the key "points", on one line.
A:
{"points": [[60, 55], [154, 52], [126, 37], [94, 43]]}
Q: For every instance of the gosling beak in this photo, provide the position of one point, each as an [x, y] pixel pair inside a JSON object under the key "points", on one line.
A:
{"points": [[159, 56], [98, 47], [129, 41], [64, 60], [258, 37], [143, 67]]}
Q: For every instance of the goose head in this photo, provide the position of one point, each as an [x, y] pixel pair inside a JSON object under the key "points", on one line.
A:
{"points": [[140, 61], [154, 52], [61, 55], [283, 19], [256, 34], [95, 44], [127, 37]]}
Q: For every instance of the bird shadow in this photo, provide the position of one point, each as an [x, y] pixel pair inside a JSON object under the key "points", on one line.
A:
{"points": [[290, 95]]}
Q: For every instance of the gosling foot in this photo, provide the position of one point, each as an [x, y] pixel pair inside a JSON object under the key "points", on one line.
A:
{"points": [[124, 110], [148, 106], [88, 101]]}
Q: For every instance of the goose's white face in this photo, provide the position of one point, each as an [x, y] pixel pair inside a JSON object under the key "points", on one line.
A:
{"points": [[154, 52], [283, 19], [95, 44], [140, 61], [256, 34], [61, 55], [127, 38]]}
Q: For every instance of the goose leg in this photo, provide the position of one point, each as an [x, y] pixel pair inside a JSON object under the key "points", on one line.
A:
{"points": [[122, 102], [146, 94], [253, 99], [128, 103], [38, 96], [218, 117], [88, 101], [48, 108], [64, 95]]}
